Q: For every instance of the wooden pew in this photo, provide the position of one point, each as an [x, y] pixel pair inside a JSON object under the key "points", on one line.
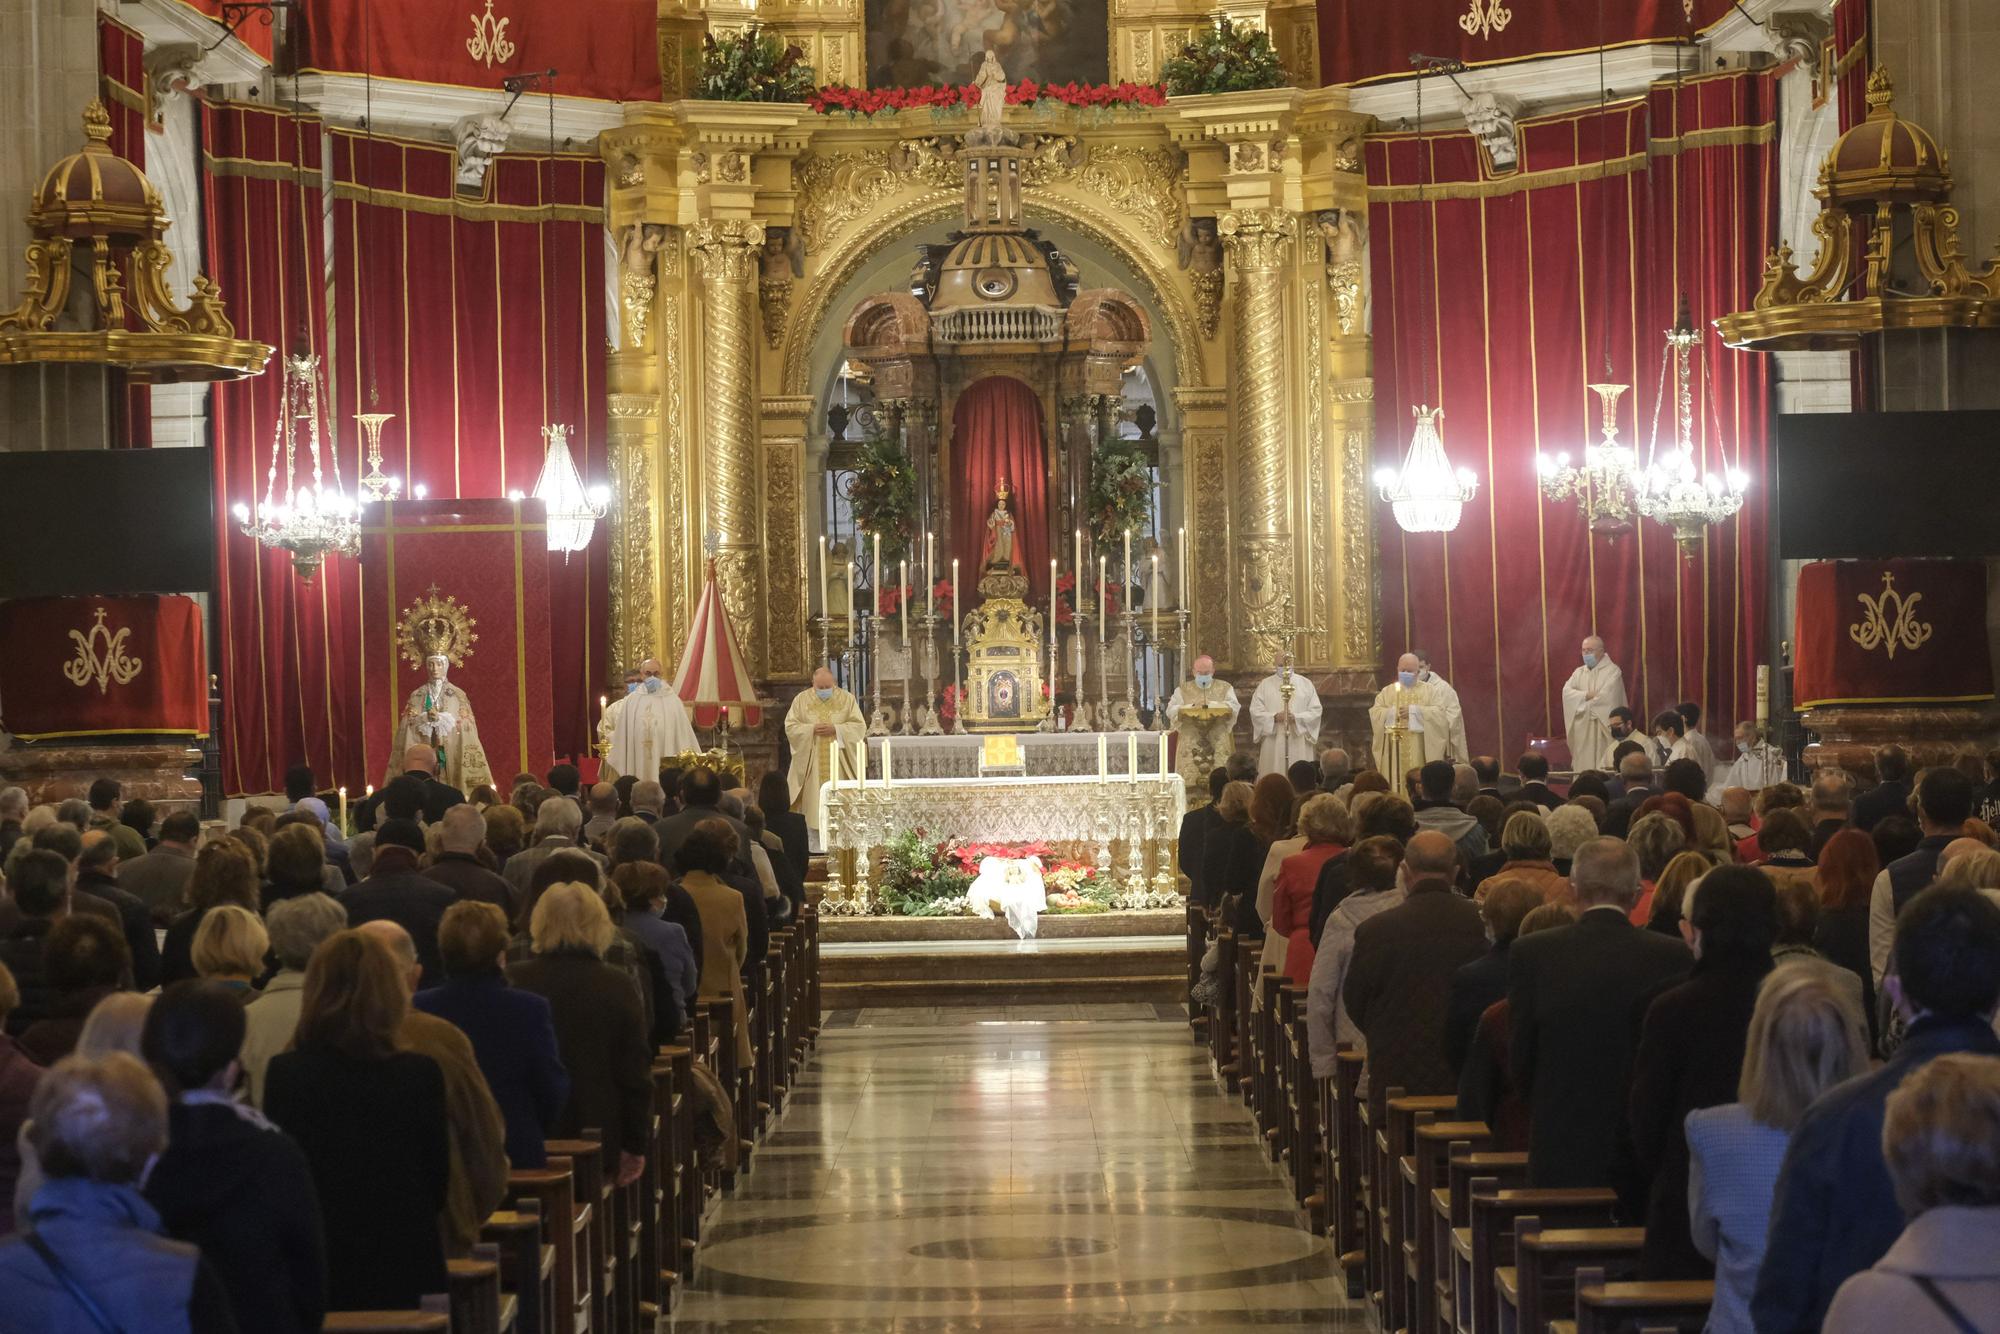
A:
{"points": [[1350, 1159], [1245, 980], [1422, 1179], [663, 1181], [566, 1224], [433, 1318], [1268, 1096], [1395, 1140], [1304, 1151], [1451, 1225], [477, 1306], [1197, 945], [527, 1264], [1679, 1305], [597, 1254], [1542, 1280], [1494, 1214]]}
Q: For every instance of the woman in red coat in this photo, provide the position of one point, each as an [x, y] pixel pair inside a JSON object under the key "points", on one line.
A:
{"points": [[1327, 830]]}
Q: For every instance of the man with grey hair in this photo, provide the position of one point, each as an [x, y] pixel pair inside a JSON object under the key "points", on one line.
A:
{"points": [[297, 926], [649, 801], [460, 836], [1574, 995], [603, 801], [75, 811], [1590, 696], [361, 854], [1832, 807], [97, 876], [1335, 769], [1464, 784], [556, 826]]}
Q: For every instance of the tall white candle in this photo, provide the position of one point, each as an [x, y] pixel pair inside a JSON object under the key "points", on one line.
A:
{"points": [[1163, 755], [825, 603], [848, 610], [1103, 756], [1152, 586], [1052, 608], [1763, 694], [1131, 757], [954, 602], [343, 810], [875, 571], [888, 769], [930, 575], [1182, 591], [1103, 598], [861, 763], [1076, 570], [903, 599], [1126, 592]]}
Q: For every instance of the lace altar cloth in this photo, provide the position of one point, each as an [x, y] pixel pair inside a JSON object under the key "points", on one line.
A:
{"points": [[1044, 754]]}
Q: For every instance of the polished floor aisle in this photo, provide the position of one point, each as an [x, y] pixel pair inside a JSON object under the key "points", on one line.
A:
{"points": [[1049, 1168]]}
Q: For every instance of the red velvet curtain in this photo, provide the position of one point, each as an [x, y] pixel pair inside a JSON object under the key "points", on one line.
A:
{"points": [[1359, 43], [121, 81], [476, 320], [996, 432], [605, 49], [286, 650], [1496, 298]]}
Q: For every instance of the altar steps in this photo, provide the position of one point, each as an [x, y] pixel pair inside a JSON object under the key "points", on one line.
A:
{"points": [[1051, 970]]}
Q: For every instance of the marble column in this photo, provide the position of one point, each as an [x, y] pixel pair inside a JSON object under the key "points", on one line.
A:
{"points": [[726, 251], [1259, 241]]}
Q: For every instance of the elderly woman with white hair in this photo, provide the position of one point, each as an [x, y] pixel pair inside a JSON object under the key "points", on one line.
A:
{"points": [[600, 1024], [1570, 827], [295, 927]]}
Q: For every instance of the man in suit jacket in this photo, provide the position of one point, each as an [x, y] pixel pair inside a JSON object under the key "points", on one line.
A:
{"points": [[160, 878], [556, 826], [1576, 996], [457, 867], [432, 796], [1398, 987], [701, 799], [1891, 795], [1534, 770], [1834, 1212], [397, 891], [1195, 827]]}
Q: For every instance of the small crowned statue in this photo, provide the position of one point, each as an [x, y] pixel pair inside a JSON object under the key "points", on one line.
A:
{"points": [[437, 634], [1000, 552]]}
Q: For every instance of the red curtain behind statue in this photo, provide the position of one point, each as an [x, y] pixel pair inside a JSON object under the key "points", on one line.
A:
{"points": [[286, 648], [996, 432], [1508, 288]]}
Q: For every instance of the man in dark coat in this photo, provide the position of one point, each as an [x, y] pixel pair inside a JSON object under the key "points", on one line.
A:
{"points": [[396, 890], [1944, 804], [1891, 793], [1576, 995], [1398, 987], [456, 865], [1834, 1212], [97, 875], [1195, 826], [417, 792], [1691, 1052], [1534, 770]]}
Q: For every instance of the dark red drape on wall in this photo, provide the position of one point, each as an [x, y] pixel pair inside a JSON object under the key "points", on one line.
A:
{"points": [[121, 81], [286, 650], [476, 321], [1508, 288], [1362, 42], [606, 49], [996, 431]]}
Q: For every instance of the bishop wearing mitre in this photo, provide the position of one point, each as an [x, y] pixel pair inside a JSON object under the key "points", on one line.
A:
{"points": [[822, 726], [1203, 712], [1284, 720], [1413, 721], [1591, 693], [652, 726]]}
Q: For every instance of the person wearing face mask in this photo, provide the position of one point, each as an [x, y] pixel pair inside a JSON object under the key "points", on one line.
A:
{"points": [[822, 725], [1413, 721], [651, 727], [1594, 693], [1204, 712], [1460, 749], [607, 723]]}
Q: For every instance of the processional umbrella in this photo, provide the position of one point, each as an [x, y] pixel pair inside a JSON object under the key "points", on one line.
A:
{"points": [[712, 680]]}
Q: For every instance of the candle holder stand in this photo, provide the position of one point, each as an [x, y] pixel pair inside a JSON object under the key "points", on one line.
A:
{"points": [[927, 713]]}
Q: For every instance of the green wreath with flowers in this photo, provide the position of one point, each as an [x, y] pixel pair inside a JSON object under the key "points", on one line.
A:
{"points": [[884, 496], [754, 65], [1120, 497], [1224, 58]]}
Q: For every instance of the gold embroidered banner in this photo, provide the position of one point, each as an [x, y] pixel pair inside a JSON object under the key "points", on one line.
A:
{"points": [[104, 666], [1892, 632]]}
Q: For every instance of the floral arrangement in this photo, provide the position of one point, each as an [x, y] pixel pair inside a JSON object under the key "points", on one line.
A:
{"points": [[1120, 496], [947, 609], [1224, 58], [842, 99], [948, 703], [753, 65], [925, 877], [889, 601], [884, 496], [1066, 599], [919, 877]]}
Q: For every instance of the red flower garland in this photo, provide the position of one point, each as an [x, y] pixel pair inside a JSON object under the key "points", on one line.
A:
{"points": [[843, 98]]}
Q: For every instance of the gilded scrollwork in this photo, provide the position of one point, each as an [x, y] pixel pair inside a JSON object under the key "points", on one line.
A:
{"points": [[1259, 240], [836, 188], [1357, 591], [634, 423], [783, 524], [638, 280], [1319, 585], [727, 250]]}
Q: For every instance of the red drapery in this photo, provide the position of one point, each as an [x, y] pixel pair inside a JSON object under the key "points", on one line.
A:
{"points": [[1508, 289], [1363, 42], [254, 30], [121, 81], [607, 49], [287, 650], [996, 430], [94, 667], [481, 320], [1891, 632]]}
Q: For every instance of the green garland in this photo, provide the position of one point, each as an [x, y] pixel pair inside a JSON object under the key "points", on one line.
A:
{"points": [[1223, 58], [754, 66], [918, 879], [1121, 492], [885, 496]]}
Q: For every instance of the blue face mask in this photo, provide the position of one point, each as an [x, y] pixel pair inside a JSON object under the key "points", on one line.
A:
{"points": [[654, 685], [824, 692], [1590, 659], [631, 687], [1406, 679], [1204, 679]]}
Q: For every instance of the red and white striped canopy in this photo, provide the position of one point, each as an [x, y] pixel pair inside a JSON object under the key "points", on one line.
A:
{"points": [[712, 675]]}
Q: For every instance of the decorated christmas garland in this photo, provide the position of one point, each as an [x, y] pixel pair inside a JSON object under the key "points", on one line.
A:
{"points": [[1224, 58], [842, 99], [753, 65], [884, 497]]}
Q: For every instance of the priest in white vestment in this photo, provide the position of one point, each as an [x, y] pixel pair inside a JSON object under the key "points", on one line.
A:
{"points": [[607, 722], [1205, 733], [822, 726], [1695, 743], [1284, 720], [439, 716], [1758, 764], [1590, 695], [1460, 749], [1412, 722], [653, 726]]}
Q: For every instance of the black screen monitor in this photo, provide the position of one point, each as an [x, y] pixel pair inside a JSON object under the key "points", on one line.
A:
{"points": [[1875, 485], [77, 522]]}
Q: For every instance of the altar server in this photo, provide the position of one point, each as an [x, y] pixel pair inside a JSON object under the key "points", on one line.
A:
{"points": [[822, 726], [653, 726], [1205, 733], [1412, 721], [1284, 720], [1594, 692], [1458, 748]]}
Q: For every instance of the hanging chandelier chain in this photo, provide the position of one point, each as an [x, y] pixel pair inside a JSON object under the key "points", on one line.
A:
{"points": [[555, 373]]}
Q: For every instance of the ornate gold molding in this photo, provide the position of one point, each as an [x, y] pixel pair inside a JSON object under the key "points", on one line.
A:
{"points": [[1259, 241], [726, 250]]}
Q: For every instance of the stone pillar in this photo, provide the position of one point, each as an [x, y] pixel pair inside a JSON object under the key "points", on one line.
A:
{"points": [[1259, 241], [726, 252]]}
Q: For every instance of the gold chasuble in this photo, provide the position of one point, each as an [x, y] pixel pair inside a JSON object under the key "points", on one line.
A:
{"points": [[1205, 718], [814, 758], [1412, 725]]}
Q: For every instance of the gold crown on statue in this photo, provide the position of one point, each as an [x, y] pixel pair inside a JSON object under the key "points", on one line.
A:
{"points": [[1001, 490], [436, 625]]}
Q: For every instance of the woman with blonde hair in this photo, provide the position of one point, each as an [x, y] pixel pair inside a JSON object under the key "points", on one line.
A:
{"points": [[1670, 891], [1525, 841], [229, 948], [1805, 1036]]}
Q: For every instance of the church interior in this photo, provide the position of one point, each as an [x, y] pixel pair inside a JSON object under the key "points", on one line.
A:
{"points": [[999, 665]]}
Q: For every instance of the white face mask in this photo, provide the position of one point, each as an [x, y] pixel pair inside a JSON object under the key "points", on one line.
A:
{"points": [[631, 686], [1406, 679], [1204, 679]]}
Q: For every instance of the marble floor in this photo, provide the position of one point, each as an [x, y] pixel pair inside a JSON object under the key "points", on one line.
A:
{"points": [[1046, 1168]]}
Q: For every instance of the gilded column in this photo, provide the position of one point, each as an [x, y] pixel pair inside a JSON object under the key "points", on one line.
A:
{"points": [[726, 251], [1259, 241], [787, 651], [634, 416]]}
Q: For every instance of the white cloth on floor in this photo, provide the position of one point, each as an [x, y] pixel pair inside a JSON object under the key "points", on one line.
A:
{"points": [[1013, 887]]}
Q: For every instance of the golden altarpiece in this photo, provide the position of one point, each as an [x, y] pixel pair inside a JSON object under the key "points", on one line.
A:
{"points": [[756, 241]]}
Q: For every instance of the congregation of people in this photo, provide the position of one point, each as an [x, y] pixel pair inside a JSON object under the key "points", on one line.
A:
{"points": [[253, 1075], [1763, 1013]]}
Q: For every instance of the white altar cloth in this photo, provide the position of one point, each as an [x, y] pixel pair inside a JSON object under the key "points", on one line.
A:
{"points": [[1046, 754], [1014, 885]]}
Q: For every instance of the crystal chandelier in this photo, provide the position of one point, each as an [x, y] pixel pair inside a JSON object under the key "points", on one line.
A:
{"points": [[302, 512], [573, 512], [1425, 494], [1673, 490], [1602, 485]]}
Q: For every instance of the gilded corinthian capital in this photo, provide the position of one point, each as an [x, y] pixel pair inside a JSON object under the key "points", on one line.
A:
{"points": [[726, 249], [1258, 239]]}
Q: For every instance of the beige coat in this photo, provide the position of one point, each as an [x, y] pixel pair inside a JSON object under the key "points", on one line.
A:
{"points": [[725, 944], [1956, 1248]]}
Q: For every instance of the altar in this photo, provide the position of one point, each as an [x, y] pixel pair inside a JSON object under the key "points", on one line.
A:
{"points": [[1042, 755]]}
